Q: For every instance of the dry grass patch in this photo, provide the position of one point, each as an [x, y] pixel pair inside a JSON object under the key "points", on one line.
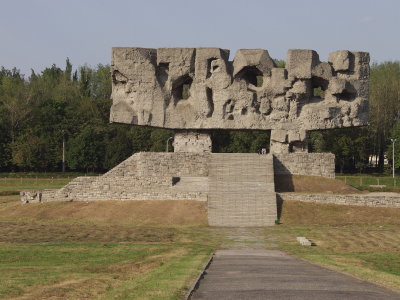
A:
{"points": [[362, 241], [110, 249], [33, 232], [304, 213], [177, 212]]}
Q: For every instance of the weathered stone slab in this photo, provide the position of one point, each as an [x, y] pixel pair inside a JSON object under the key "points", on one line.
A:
{"points": [[200, 89], [188, 88]]}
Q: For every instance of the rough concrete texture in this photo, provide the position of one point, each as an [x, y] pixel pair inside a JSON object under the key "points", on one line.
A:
{"points": [[191, 141], [270, 274], [308, 164], [198, 89]]}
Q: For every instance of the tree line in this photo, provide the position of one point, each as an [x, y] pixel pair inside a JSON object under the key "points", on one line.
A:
{"points": [[39, 112]]}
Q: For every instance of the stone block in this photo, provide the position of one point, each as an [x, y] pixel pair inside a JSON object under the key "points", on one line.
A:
{"points": [[337, 85], [278, 147], [361, 65], [192, 141], [340, 60], [300, 63], [323, 70], [204, 62], [279, 136], [257, 58], [304, 241]]}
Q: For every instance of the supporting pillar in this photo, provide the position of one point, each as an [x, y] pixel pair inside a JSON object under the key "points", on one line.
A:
{"points": [[192, 141], [286, 141]]}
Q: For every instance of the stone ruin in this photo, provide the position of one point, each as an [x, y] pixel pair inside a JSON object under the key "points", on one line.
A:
{"points": [[195, 90]]}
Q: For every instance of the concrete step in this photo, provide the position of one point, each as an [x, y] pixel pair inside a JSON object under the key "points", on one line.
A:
{"points": [[241, 190]]}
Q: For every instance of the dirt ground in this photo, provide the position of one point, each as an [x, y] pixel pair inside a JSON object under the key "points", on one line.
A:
{"points": [[133, 212], [312, 184], [303, 213]]}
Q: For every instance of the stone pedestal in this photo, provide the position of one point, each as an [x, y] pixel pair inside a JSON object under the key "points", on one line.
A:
{"points": [[192, 141], [287, 141]]}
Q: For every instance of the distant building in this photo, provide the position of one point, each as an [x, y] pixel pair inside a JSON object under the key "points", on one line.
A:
{"points": [[373, 160]]}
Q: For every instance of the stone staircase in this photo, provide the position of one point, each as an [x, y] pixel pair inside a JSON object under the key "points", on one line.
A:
{"points": [[241, 190]]}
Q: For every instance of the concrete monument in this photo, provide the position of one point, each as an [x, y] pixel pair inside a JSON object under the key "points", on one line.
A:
{"points": [[196, 90]]}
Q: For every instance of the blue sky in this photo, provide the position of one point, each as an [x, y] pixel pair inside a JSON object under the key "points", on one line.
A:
{"points": [[37, 33]]}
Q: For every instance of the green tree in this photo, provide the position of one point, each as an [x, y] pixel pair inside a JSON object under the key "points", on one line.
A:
{"points": [[350, 145], [16, 100], [86, 150], [118, 145], [384, 104]]}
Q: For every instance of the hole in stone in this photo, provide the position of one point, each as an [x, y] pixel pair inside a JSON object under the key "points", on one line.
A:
{"points": [[118, 77], [210, 102], [347, 95], [209, 68], [251, 75], [228, 107], [319, 86], [163, 73], [175, 180], [255, 105], [181, 90]]}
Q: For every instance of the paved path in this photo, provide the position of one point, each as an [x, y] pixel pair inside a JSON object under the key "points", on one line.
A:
{"points": [[248, 271]]}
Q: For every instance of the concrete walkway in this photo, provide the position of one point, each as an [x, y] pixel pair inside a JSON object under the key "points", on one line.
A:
{"points": [[270, 274]]}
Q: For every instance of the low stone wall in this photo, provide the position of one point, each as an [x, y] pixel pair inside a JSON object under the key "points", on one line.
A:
{"points": [[350, 199], [172, 176], [309, 164], [102, 188], [53, 196]]}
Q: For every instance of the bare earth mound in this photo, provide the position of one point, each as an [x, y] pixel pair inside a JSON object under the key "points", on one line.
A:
{"points": [[135, 212], [312, 184]]}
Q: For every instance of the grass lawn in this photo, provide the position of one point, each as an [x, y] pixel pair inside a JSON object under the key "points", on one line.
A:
{"points": [[367, 252], [362, 241], [145, 250], [46, 256], [366, 182], [15, 184]]}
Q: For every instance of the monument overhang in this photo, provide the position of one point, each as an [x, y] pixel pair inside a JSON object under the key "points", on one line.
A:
{"points": [[194, 90], [198, 88]]}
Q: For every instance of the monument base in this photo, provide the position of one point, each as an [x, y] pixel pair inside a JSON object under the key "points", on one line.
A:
{"points": [[192, 141], [239, 187]]}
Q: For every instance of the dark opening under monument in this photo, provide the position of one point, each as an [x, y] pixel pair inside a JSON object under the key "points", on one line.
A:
{"points": [[195, 90]]}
